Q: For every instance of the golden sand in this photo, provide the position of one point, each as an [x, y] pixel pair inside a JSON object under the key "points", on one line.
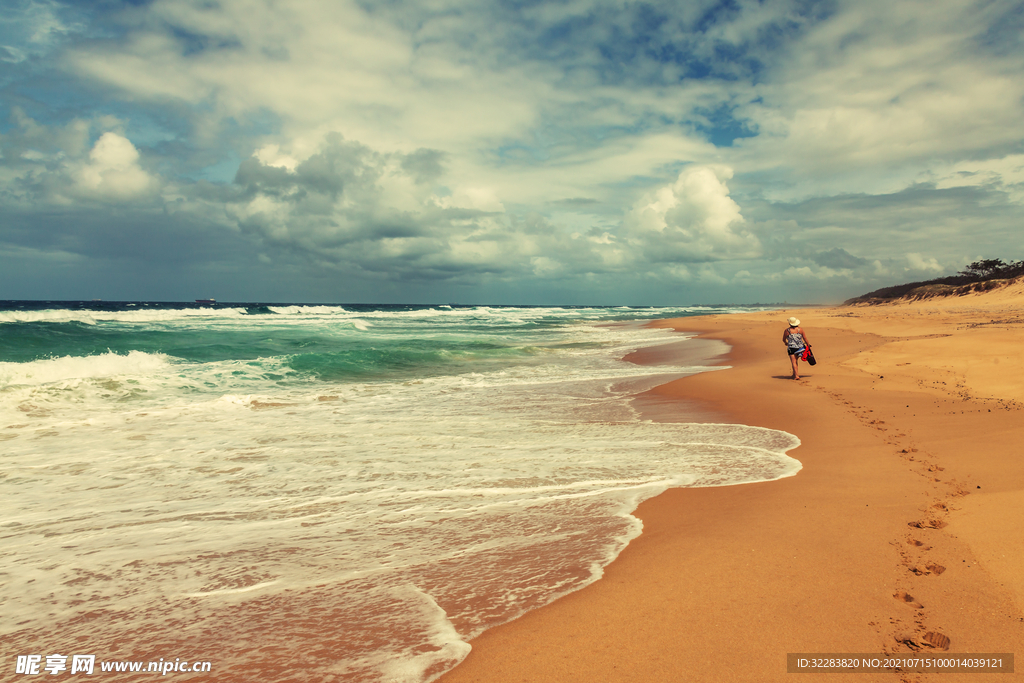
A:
{"points": [[904, 532]]}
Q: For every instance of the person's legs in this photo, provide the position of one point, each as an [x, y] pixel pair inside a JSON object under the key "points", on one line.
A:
{"points": [[794, 359]]}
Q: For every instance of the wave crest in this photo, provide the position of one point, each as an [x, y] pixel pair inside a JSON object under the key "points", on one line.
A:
{"points": [[110, 364]]}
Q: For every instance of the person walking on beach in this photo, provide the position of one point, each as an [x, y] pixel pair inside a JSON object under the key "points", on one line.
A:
{"points": [[796, 343]]}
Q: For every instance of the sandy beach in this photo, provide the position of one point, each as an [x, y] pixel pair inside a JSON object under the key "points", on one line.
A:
{"points": [[901, 534]]}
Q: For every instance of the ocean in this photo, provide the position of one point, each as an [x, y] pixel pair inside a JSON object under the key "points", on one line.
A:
{"points": [[325, 492]]}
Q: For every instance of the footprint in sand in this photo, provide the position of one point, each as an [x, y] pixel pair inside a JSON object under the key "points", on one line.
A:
{"points": [[937, 640], [907, 599], [930, 640], [928, 524]]}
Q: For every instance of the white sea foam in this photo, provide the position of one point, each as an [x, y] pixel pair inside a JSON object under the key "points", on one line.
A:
{"points": [[110, 364], [321, 313], [92, 317]]}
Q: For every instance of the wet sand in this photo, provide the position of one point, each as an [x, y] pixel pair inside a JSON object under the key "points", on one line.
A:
{"points": [[903, 529]]}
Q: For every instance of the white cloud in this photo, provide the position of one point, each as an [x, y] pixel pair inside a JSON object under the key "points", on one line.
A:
{"points": [[397, 87], [880, 92], [271, 155], [1005, 173], [556, 141], [31, 28], [693, 219], [803, 273], [545, 267], [320, 68], [113, 170], [11, 54], [916, 262], [480, 198], [347, 204], [41, 165]]}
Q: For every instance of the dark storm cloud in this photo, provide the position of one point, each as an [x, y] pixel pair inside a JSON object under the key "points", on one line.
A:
{"points": [[916, 218], [575, 201], [132, 235], [425, 165], [838, 258]]}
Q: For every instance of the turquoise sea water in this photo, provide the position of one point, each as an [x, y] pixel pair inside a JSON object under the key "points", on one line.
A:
{"points": [[300, 492]]}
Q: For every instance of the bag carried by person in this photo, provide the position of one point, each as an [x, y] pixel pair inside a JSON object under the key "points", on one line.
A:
{"points": [[810, 357]]}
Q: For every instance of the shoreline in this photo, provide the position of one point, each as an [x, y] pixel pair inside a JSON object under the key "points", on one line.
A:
{"points": [[306, 559], [898, 532]]}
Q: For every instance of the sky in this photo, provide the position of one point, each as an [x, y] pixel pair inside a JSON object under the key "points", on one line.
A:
{"points": [[506, 152]]}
